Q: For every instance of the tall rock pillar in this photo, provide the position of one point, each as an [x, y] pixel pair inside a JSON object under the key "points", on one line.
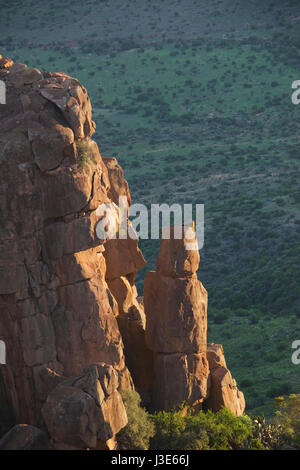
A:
{"points": [[176, 323]]}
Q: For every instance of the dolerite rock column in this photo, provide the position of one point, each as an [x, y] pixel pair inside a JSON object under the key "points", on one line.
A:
{"points": [[56, 310], [176, 323]]}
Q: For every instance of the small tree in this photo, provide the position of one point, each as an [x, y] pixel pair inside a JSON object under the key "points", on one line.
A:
{"points": [[140, 428], [288, 417], [85, 153], [202, 431]]}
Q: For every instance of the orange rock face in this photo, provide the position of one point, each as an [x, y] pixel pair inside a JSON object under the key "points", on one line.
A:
{"points": [[123, 260], [87, 410], [180, 377], [185, 367], [57, 312], [174, 259], [75, 330], [224, 391], [176, 325], [176, 310]]}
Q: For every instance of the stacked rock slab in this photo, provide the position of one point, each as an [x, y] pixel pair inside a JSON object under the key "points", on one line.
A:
{"points": [[224, 391], [57, 312], [176, 323]]}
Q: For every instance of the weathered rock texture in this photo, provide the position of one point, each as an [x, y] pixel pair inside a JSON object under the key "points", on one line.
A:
{"points": [[124, 259], [24, 437], [57, 312], [176, 310], [68, 303], [224, 391], [185, 368], [86, 410]]}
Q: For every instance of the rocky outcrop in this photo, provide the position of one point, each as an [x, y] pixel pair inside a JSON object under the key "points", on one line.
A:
{"points": [[85, 411], [24, 437], [224, 391], [75, 331], [124, 259], [57, 312], [176, 311], [186, 368]]}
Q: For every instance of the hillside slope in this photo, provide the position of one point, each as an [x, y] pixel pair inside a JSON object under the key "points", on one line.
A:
{"points": [[194, 100]]}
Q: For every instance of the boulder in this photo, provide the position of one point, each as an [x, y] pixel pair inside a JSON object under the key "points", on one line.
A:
{"points": [[215, 356], [123, 257], [24, 437], [86, 410], [72, 100], [224, 392], [178, 255]]}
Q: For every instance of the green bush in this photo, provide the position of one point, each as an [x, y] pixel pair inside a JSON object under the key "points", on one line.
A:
{"points": [[288, 418], [140, 428], [202, 431], [85, 153], [184, 429]]}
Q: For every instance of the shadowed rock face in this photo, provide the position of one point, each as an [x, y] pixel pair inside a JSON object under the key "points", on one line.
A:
{"points": [[123, 260], [24, 437], [57, 312]]}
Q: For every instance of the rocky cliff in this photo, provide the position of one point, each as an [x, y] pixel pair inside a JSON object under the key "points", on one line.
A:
{"points": [[74, 329], [186, 368]]}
